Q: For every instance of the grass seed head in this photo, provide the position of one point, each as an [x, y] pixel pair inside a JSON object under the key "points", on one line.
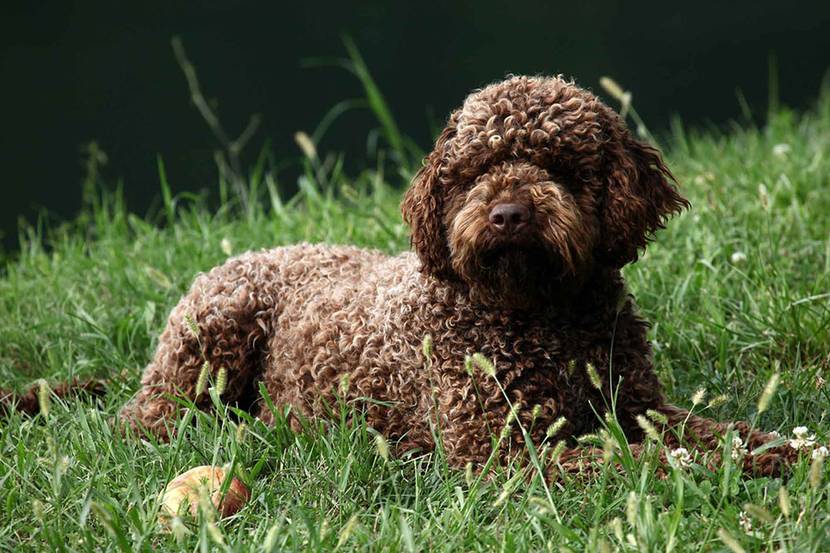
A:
{"points": [[44, 399], [221, 380], [784, 501], [505, 493], [426, 347], [596, 382], [557, 451], [206, 507], [763, 196], [513, 414], [468, 473], [215, 534], [759, 512], [484, 365], [612, 87], [571, 367], [657, 417], [241, 433], [617, 528], [347, 531], [227, 247], [632, 507], [468, 365], [178, 528], [609, 445], [648, 428], [38, 510], [816, 470], [270, 541], [306, 145], [767, 394], [729, 541], [382, 447], [201, 382], [343, 385], [717, 401], [191, 325], [603, 546]]}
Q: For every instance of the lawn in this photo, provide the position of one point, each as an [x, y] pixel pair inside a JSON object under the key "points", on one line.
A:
{"points": [[738, 290]]}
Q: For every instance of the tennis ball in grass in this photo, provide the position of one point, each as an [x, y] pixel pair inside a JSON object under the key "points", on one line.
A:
{"points": [[182, 494]]}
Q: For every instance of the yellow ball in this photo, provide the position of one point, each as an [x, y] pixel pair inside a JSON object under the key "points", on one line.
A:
{"points": [[182, 494]]}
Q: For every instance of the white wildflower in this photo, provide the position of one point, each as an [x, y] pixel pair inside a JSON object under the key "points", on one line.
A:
{"points": [[745, 522], [738, 448], [774, 434], [737, 258], [802, 438], [681, 456], [821, 452], [781, 150]]}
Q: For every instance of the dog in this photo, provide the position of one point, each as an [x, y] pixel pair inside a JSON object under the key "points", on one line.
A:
{"points": [[533, 199]]}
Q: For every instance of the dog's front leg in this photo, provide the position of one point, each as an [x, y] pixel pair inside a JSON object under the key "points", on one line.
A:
{"points": [[221, 323]]}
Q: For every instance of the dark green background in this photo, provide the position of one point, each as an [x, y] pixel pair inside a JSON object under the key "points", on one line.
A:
{"points": [[75, 72]]}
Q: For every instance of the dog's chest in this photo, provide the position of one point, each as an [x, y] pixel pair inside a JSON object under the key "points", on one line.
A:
{"points": [[479, 363]]}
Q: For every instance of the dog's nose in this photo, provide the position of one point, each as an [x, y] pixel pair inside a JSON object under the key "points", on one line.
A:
{"points": [[509, 217]]}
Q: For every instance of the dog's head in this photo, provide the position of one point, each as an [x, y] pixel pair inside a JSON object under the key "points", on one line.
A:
{"points": [[533, 182]]}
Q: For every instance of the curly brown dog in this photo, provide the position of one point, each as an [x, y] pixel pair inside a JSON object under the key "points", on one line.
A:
{"points": [[533, 199]]}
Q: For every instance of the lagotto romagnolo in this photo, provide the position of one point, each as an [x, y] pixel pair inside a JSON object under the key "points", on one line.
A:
{"points": [[534, 197]]}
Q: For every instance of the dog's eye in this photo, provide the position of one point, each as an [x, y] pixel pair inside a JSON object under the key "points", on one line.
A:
{"points": [[567, 180], [558, 182]]}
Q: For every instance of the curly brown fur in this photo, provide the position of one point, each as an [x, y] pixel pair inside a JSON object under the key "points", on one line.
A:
{"points": [[534, 285]]}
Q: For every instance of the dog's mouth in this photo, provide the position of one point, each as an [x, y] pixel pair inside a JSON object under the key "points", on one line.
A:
{"points": [[515, 275], [494, 244], [523, 263]]}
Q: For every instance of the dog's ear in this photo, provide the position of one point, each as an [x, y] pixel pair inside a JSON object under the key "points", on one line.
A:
{"points": [[423, 207], [640, 196]]}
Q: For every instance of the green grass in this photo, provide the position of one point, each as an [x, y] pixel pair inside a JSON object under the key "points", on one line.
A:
{"points": [[738, 289]]}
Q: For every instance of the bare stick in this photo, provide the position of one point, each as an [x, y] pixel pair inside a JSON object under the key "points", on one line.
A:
{"points": [[228, 160]]}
